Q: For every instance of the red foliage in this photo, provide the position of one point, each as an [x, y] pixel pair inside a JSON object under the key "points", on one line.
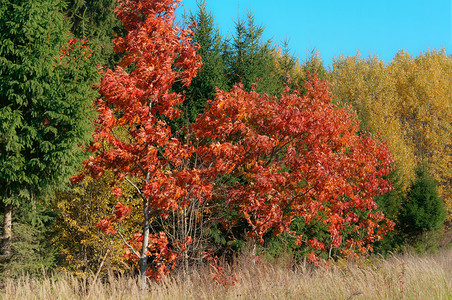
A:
{"points": [[121, 212], [163, 257], [158, 54], [218, 273], [301, 156], [119, 215], [105, 226], [117, 192], [72, 44]]}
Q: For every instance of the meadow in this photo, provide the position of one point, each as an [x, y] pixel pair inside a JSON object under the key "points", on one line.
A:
{"points": [[407, 276]]}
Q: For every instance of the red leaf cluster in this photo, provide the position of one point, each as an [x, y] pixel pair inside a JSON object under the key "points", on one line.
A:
{"points": [[218, 273], [164, 256], [298, 155], [105, 226], [72, 44], [120, 212], [130, 138], [301, 156]]}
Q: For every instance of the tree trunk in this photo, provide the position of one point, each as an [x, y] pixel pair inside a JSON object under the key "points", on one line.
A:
{"points": [[146, 229], [7, 230]]}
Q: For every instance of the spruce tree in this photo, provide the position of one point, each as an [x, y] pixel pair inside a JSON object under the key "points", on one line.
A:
{"points": [[287, 65], [423, 209], [251, 59], [314, 64], [46, 99], [95, 20], [213, 72]]}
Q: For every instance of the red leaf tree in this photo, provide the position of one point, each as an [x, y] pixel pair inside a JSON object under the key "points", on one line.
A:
{"points": [[136, 97], [297, 156]]}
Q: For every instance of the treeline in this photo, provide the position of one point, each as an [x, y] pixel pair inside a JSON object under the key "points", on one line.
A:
{"points": [[260, 153]]}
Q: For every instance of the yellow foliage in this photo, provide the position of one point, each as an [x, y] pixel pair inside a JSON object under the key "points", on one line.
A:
{"points": [[370, 90], [424, 89], [82, 245], [409, 102]]}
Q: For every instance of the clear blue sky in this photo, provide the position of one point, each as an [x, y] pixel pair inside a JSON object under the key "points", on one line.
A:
{"points": [[377, 27]]}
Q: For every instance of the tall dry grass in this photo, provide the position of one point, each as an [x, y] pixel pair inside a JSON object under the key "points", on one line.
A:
{"points": [[398, 277]]}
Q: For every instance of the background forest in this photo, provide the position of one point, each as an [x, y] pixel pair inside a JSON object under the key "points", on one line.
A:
{"points": [[217, 144]]}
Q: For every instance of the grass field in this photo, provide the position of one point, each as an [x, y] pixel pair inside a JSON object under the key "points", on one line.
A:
{"points": [[397, 277]]}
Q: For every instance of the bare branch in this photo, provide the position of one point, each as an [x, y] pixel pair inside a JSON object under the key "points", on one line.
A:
{"points": [[127, 244]]}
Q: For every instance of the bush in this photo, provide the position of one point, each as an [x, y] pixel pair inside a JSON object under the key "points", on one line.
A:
{"points": [[423, 210], [31, 250]]}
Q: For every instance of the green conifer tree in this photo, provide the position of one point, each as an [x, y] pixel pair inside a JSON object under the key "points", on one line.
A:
{"points": [[423, 209], [251, 59], [46, 99], [213, 72], [314, 64], [289, 67], [95, 20]]}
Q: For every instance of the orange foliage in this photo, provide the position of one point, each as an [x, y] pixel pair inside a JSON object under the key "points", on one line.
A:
{"points": [[157, 53], [299, 155]]}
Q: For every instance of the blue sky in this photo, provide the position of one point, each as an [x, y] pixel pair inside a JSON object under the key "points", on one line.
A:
{"points": [[377, 27]]}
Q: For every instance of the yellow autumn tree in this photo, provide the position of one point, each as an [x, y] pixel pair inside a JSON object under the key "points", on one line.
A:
{"points": [[424, 90], [409, 102], [288, 66], [82, 246], [367, 87]]}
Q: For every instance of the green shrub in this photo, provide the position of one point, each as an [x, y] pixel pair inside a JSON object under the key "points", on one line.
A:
{"points": [[423, 209]]}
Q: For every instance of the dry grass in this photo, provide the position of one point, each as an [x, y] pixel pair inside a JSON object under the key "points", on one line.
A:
{"points": [[399, 277]]}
